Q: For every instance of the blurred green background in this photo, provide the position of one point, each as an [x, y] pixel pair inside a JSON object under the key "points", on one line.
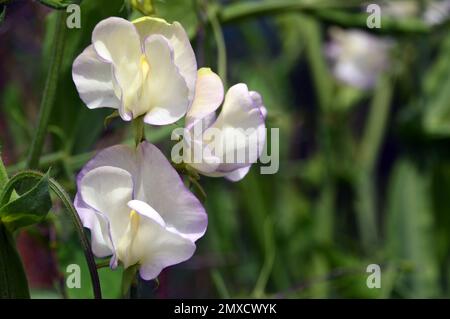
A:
{"points": [[364, 175]]}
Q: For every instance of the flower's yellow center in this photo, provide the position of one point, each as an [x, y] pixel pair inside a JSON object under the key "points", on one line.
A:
{"points": [[145, 67], [134, 222]]}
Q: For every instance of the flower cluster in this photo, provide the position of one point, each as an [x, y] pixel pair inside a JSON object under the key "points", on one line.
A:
{"points": [[132, 199]]}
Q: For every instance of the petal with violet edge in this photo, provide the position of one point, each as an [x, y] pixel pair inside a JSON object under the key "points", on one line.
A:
{"points": [[238, 174], [93, 79], [184, 56], [163, 189], [155, 245], [107, 190], [241, 113], [165, 92], [100, 238]]}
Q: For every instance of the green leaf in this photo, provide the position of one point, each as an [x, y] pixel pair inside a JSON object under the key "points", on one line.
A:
{"points": [[13, 282], [410, 232], [30, 207], [436, 88]]}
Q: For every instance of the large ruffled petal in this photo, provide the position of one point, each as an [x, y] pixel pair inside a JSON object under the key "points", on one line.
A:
{"points": [[184, 56], [165, 96], [239, 131], [93, 78], [101, 243], [155, 245], [120, 156], [116, 41], [208, 96], [162, 188], [107, 190]]}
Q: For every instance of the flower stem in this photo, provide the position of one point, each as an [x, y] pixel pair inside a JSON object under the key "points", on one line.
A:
{"points": [[220, 42], [368, 152], [64, 197], [139, 130], [129, 282], [324, 10], [48, 97]]}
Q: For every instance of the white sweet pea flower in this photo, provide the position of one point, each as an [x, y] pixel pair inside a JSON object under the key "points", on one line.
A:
{"points": [[138, 209], [227, 144], [145, 67], [357, 57]]}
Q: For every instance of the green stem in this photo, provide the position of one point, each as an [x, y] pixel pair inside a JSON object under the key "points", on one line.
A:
{"points": [[221, 47], [139, 130], [325, 206], [242, 10], [376, 124], [13, 280], [323, 89], [64, 197], [325, 10], [130, 282], [220, 285], [369, 151], [48, 97]]}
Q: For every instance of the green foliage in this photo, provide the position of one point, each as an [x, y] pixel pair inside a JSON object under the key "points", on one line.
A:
{"points": [[3, 14], [183, 11], [59, 4], [31, 205], [409, 232], [437, 93], [13, 282]]}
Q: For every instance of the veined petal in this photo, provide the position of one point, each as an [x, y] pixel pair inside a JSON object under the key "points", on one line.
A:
{"points": [[93, 79], [162, 188], [165, 91], [241, 128], [184, 56], [208, 96], [107, 190]]}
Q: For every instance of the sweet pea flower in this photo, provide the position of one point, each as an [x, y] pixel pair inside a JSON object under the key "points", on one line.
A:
{"points": [[237, 132], [142, 68], [138, 209], [357, 57]]}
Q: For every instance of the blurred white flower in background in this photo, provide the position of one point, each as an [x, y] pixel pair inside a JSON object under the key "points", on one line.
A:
{"points": [[357, 57], [145, 67], [434, 12], [437, 12]]}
